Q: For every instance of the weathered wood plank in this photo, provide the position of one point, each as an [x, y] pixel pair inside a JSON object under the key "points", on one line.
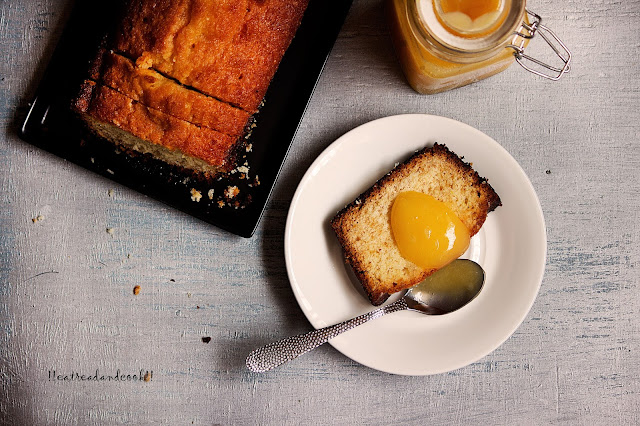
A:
{"points": [[66, 285]]}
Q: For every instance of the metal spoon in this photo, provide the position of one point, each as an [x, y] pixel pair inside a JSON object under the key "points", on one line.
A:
{"points": [[445, 291]]}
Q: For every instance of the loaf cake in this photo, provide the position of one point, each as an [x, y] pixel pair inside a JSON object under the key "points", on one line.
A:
{"points": [[156, 91], [364, 230], [136, 127], [181, 79], [228, 49]]}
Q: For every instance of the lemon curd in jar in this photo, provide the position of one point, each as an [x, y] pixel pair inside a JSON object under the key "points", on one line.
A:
{"points": [[444, 44], [427, 232], [465, 17]]}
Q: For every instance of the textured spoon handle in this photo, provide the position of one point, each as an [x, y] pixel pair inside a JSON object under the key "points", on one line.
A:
{"points": [[277, 353]]}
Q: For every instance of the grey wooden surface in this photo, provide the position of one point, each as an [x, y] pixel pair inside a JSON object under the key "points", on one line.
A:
{"points": [[66, 301]]}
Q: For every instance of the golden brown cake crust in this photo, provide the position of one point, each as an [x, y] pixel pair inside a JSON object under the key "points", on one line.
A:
{"points": [[184, 76], [363, 227], [228, 49], [158, 92], [111, 107]]}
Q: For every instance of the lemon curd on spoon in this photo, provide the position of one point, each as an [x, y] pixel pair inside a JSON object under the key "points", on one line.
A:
{"points": [[427, 231]]}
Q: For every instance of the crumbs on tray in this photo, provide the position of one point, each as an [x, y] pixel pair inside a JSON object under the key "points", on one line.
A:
{"points": [[195, 195], [231, 192]]}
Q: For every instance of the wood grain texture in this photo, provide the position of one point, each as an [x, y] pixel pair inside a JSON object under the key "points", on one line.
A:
{"points": [[66, 285]]}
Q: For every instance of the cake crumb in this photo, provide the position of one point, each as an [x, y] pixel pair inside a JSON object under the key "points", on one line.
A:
{"points": [[249, 147], [37, 218], [111, 172], [220, 204], [210, 194], [206, 339], [195, 195], [231, 192], [93, 160], [243, 169], [110, 231], [148, 376], [144, 61], [110, 193], [136, 290]]}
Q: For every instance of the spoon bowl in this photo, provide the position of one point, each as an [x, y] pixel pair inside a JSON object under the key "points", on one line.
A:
{"points": [[444, 291], [447, 289]]}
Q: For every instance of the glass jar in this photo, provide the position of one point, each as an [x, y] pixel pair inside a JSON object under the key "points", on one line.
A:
{"points": [[444, 44]]}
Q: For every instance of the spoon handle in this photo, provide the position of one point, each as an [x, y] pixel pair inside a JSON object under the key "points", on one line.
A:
{"points": [[277, 353]]}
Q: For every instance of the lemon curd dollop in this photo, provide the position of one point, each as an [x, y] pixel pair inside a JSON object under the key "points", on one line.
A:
{"points": [[427, 232]]}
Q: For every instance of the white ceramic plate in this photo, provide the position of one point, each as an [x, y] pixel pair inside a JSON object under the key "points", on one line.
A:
{"points": [[511, 247]]}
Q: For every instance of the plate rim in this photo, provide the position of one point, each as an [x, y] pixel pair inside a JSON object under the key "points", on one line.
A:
{"points": [[345, 138]]}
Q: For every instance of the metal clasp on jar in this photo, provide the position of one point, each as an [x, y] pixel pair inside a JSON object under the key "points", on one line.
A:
{"points": [[527, 32]]}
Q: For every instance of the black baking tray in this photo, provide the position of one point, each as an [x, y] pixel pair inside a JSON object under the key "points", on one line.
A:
{"points": [[52, 126]]}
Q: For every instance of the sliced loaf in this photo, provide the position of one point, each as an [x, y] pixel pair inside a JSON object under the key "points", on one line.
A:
{"points": [[228, 49], [134, 126], [156, 91]]}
